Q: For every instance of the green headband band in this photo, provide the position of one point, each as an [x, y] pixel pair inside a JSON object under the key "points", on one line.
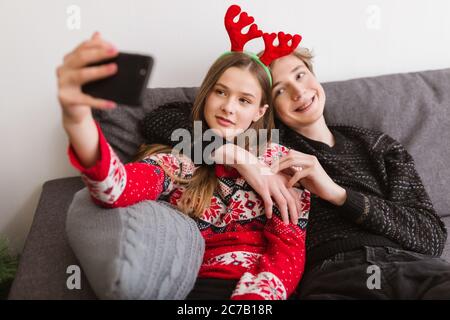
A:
{"points": [[256, 58]]}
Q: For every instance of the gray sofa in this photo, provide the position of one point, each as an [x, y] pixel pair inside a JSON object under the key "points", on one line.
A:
{"points": [[414, 108]]}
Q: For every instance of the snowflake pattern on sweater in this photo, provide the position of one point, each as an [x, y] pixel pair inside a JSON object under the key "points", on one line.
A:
{"points": [[265, 255]]}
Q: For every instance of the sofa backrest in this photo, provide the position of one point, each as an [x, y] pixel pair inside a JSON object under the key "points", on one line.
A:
{"points": [[413, 108]]}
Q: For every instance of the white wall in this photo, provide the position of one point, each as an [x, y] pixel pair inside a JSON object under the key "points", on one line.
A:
{"points": [[351, 38]]}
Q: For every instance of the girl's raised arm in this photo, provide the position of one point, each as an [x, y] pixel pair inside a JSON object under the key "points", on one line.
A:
{"points": [[76, 106]]}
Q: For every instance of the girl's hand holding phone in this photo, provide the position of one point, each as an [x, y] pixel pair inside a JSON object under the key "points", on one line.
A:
{"points": [[73, 73]]}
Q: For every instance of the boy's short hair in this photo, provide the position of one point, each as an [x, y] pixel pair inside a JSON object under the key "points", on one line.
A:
{"points": [[306, 56], [303, 54]]}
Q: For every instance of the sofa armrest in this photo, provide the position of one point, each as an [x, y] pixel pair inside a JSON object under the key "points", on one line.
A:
{"points": [[46, 255]]}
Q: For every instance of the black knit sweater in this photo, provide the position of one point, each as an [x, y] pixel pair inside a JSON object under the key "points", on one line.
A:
{"points": [[387, 204]]}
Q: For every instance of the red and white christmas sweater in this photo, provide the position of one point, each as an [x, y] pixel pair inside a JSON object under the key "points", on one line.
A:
{"points": [[265, 255]]}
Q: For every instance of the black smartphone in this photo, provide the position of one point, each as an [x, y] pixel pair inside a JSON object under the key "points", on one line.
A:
{"points": [[128, 84]]}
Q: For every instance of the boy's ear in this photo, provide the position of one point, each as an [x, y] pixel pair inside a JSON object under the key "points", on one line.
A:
{"points": [[261, 111]]}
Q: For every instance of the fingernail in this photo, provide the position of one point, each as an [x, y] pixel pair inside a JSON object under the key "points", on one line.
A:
{"points": [[112, 67], [111, 104], [112, 50]]}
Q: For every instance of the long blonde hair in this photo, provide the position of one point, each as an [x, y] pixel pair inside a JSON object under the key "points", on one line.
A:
{"points": [[200, 188]]}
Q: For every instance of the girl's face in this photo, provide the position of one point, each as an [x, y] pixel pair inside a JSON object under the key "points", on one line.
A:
{"points": [[298, 97], [234, 103]]}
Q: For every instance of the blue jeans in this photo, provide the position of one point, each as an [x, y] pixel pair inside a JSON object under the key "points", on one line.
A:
{"points": [[377, 273]]}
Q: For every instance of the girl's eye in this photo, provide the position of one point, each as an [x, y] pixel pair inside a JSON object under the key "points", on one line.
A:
{"points": [[300, 75], [245, 101], [220, 92]]}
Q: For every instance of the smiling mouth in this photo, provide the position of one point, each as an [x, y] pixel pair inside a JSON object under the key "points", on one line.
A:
{"points": [[224, 121], [305, 107]]}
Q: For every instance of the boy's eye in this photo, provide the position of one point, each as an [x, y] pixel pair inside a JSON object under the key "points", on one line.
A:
{"points": [[278, 92], [300, 75]]}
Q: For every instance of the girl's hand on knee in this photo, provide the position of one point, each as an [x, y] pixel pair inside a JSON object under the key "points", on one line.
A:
{"points": [[74, 72]]}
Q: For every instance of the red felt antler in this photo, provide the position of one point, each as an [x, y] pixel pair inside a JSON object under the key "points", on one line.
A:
{"points": [[238, 40], [283, 49]]}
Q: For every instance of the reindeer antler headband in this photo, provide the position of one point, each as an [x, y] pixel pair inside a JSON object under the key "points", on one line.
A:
{"points": [[238, 39]]}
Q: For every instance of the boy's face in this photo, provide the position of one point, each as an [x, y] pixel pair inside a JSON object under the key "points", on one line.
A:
{"points": [[234, 103], [299, 99]]}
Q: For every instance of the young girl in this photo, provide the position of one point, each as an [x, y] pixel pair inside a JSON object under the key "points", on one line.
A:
{"points": [[262, 258]]}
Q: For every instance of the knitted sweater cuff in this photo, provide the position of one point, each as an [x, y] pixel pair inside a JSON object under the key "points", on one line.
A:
{"points": [[355, 207], [99, 170]]}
